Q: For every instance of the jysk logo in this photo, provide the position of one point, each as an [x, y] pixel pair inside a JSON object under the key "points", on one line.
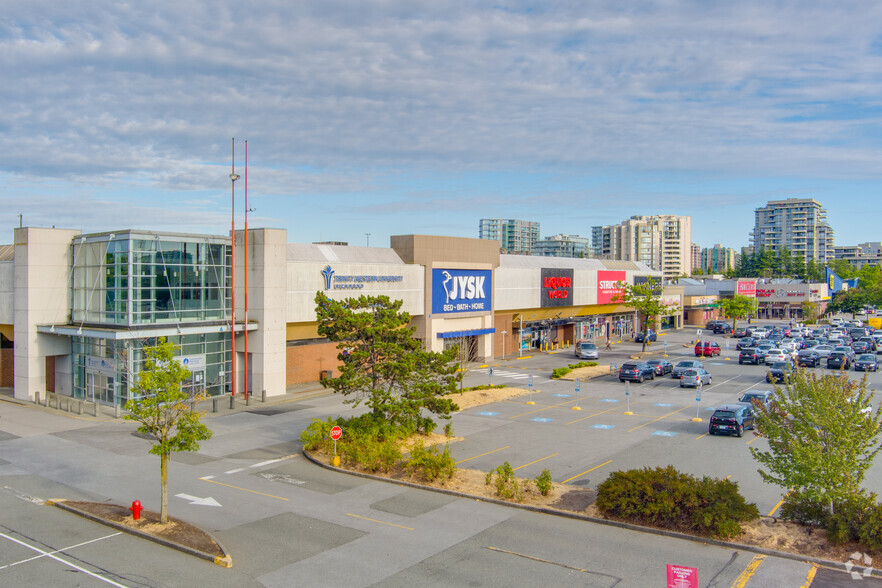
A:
{"points": [[461, 290], [327, 274]]}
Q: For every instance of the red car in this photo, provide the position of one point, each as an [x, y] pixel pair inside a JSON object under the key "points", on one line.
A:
{"points": [[706, 349]]}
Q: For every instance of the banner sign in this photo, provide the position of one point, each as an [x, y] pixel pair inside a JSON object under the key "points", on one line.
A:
{"points": [[606, 285], [461, 290], [556, 287], [747, 289]]}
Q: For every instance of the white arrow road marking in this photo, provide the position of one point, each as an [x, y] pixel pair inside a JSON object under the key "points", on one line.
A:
{"points": [[207, 501]]}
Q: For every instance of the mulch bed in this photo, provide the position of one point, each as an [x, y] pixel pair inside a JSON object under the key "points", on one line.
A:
{"points": [[175, 530]]}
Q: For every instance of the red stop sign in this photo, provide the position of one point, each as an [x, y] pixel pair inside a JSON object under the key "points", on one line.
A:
{"points": [[336, 432]]}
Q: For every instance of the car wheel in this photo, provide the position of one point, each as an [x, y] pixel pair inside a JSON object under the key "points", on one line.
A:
{"points": [[739, 432], [710, 432], [710, 381], [740, 362], [621, 380], [652, 376], [681, 385], [641, 379]]}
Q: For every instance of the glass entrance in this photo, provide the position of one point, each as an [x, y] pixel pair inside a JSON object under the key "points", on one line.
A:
{"points": [[99, 388]]}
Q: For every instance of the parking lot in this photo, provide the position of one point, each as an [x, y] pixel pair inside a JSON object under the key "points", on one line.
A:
{"points": [[582, 436]]}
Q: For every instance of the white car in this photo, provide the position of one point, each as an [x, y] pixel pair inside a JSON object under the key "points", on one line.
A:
{"points": [[760, 333], [823, 350], [776, 355]]}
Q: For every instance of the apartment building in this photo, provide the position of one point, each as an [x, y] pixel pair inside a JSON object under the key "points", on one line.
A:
{"points": [[717, 259], [514, 236], [563, 245], [861, 254], [663, 242], [797, 224]]}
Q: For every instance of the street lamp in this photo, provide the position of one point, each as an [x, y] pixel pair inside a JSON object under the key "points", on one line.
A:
{"points": [[233, 177]]}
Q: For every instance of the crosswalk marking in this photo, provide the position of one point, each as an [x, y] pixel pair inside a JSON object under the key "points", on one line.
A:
{"points": [[504, 374]]}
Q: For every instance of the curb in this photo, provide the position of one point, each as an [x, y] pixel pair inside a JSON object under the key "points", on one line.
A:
{"points": [[611, 523], [226, 561]]}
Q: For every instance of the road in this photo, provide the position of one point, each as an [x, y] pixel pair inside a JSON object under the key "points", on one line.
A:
{"points": [[288, 522]]}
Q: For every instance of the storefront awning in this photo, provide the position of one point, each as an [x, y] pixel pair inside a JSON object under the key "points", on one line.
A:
{"points": [[471, 333]]}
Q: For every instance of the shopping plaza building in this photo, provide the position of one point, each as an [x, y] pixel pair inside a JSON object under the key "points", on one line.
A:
{"points": [[76, 310]]}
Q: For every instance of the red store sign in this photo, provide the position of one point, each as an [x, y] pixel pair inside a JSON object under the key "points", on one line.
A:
{"points": [[606, 285]]}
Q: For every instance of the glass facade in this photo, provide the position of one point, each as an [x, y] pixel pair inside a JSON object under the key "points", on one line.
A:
{"points": [[124, 283]]}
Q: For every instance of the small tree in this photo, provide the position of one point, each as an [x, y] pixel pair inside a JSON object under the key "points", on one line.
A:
{"points": [[809, 311], [738, 307], [164, 412], [822, 439], [646, 300], [383, 365], [851, 300]]}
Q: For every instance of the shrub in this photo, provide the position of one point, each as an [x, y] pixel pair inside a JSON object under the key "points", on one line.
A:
{"points": [[870, 528], [317, 435], [543, 483], [448, 430], [506, 484], [664, 497], [430, 464], [485, 387], [557, 373]]}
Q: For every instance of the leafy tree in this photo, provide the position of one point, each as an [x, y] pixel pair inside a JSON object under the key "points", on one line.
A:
{"points": [[163, 410], [810, 311], [646, 300], [383, 365], [821, 440], [842, 268], [851, 300], [737, 307]]}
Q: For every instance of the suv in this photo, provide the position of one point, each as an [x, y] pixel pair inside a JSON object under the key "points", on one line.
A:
{"points": [[745, 342], [586, 350], [779, 372], [636, 371], [762, 396], [731, 418], [650, 336], [808, 358], [707, 349], [838, 361], [751, 355], [724, 328]]}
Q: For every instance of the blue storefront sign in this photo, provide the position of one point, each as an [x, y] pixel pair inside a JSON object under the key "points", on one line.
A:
{"points": [[461, 290]]}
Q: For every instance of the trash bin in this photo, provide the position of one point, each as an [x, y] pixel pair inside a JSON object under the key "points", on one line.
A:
{"points": [[326, 374]]}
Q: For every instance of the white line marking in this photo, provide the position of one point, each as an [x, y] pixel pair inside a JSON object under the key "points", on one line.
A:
{"points": [[65, 562], [207, 478], [236, 471], [59, 550], [268, 462]]}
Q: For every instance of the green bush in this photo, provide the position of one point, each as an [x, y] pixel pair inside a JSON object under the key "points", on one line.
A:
{"points": [[317, 435], [870, 529], [485, 387], [506, 484], [557, 373], [544, 483], [664, 497], [430, 464]]}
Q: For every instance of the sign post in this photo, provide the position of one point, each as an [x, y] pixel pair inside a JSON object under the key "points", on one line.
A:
{"points": [[336, 433], [697, 418], [578, 386], [530, 387], [628, 397]]}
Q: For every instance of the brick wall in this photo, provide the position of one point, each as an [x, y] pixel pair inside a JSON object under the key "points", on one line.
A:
{"points": [[305, 362], [6, 368]]}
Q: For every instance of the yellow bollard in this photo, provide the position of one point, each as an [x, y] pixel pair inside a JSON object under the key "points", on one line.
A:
{"points": [[336, 461]]}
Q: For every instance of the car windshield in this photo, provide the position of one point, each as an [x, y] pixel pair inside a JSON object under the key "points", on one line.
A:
{"points": [[780, 365], [690, 373], [870, 358], [748, 351], [629, 366], [654, 362], [588, 346], [724, 414], [684, 364]]}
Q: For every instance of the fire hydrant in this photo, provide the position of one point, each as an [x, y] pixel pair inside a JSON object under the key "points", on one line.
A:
{"points": [[136, 510]]}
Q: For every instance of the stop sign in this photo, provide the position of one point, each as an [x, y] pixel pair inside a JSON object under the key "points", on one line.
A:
{"points": [[336, 432]]}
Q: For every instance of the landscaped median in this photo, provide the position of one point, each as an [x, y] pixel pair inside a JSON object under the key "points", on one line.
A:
{"points": [[175, 534]]}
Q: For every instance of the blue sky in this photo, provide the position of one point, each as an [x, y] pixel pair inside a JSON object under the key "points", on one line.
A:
{"points": [[397, 117]]}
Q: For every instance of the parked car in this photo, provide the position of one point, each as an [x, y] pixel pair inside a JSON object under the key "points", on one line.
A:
{"points": [[586, 350], [751, 355], [860, 346], [745, 342], [739, 332], [838, 361], [684, 365], [636, 371], [650, 336], [871, 342], [823, 350], [731, 419], [775, 356], [848, 351], [760, 332], [779, 371], [661, 366], [711, 324], [695, 377], [808, 358], [707, 349], [762, 396], [722, 328], [866, 363]]}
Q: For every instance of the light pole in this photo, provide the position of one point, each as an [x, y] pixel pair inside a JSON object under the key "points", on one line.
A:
{"points": [[233, 177], [520, 335], [368, 236], [246, 273]]}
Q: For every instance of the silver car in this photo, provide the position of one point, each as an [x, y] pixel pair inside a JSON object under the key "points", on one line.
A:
{"points": [[695, 377], [586, 350], [681, 366]]}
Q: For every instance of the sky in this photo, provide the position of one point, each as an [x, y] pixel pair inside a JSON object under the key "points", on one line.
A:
{"points": [[366, 119]]}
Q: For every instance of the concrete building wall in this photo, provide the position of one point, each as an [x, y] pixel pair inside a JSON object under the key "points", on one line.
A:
{"points": [[7, 286], [41, 296]]}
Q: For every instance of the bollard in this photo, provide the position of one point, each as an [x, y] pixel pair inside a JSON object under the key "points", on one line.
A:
{"points": [[263, 395], [116, 411], [36, 398], [69, 402], [214, 402], [232, 402], [79, 407], [247, 399], [95, 409]]}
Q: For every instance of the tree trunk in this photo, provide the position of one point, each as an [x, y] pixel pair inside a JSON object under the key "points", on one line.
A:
{"points": [[163, 508]]}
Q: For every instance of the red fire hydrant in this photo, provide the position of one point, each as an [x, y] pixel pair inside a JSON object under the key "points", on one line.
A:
{"points": [[136, 510]]}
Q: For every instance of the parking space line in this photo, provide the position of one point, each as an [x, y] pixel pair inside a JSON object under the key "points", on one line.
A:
{"points": [[63, 561], [591, 415], [536, 461], [586, 472], [658, 419], [62, 550], [810, 577], [705, 435], [752, 440], [244, 489], [545, 408], [481, 454], [742, 580], [349, 514]]}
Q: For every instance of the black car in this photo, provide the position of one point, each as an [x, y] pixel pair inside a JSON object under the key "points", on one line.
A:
{"points": [[745, 342], [739, 333], [731, 419], [808, 358], [650, 336], [722, 328], [636, 371], [751, 355], [661, 366], [711, 324], [866, 363], [780, 371], [838, 361], [860, 346]]}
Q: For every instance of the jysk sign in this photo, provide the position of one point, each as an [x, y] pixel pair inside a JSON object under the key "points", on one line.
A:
{"points": [[461, 290], [606, 285], [557, 287]]}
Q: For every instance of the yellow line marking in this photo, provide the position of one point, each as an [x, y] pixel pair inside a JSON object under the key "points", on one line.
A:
{"points": [[526, 357], [752, 440], [483, 366], [777, 506], [810, 577], [532, 462], [349, 514], [658, 419], [729, 476], [742, 580], [244, 489], [482, 454], [545, 408], [705, 435], [586, 472], [589, 416]]}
